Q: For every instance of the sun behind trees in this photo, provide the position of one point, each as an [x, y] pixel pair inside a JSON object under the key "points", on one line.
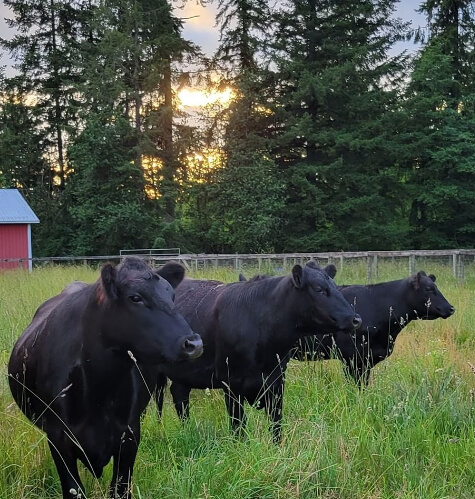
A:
{"points": [[328, 135]]}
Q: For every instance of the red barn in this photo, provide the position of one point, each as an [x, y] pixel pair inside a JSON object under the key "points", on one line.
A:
{"points": [[16, 218]]}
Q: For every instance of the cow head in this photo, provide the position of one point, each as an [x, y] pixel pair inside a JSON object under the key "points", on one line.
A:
{"points": [[425, 299], [320, 302], [139, 315]]}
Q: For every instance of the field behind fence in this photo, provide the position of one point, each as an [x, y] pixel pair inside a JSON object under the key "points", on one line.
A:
{"points": [[409, 435]]}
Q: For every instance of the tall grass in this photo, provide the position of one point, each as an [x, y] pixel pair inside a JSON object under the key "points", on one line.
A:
{"points": [[409, 435]]}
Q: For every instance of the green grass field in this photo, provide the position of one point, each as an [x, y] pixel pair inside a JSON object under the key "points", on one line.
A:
{"points": [[409, 435]]}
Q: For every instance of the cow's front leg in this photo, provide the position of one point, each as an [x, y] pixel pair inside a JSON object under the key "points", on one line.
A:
{"points": [[124, 459], [160, 392], [273, 406], [66, 465], [181, 399], [235, 408]]}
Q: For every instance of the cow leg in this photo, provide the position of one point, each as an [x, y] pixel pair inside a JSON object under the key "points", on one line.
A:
{"points": [[181, 399], [67, 468], [273, 407], [160, 392], [124, 459], [235, 408]]}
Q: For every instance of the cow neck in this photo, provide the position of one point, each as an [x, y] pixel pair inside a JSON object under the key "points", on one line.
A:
{"points": [[106, 366], [400, 314], [284, 317]]}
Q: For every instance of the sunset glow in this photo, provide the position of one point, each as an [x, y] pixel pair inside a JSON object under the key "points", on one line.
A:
{"points": [[189, 97], [200, 165]]}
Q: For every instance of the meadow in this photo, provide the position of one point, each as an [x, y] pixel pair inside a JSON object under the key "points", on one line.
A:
{"points": [[409, 435]]}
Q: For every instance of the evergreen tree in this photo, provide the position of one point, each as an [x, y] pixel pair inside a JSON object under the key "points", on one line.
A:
{"points": [[440, 146], [91, 62], [107, 205], [338, 91], [25, 166], [131, 73], [22, 141], [451, 28], [247, 195], [45, 48], [242, 24], [250, 200], [204, 158]]}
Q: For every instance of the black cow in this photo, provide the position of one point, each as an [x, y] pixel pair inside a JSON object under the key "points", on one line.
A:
{"points": [[330, 269], [248, 330], [80, 370], [385, 309]]}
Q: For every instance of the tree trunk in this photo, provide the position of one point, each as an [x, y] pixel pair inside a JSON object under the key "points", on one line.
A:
{"points": [[169, 166], [56, 98]]}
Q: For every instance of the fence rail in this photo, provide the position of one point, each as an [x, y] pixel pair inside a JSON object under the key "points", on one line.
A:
{"points": [[456, 258]]}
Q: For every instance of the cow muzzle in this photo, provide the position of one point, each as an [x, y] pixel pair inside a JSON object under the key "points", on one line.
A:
{"points": [[192, 347], [448, 313], [357, 321]]}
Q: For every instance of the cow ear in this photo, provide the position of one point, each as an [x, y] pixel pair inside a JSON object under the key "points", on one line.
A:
{"points": [[431, 277], [416, 279], [297, 276], [108, 278], [241, 277], [173, 272], [330, 270]]}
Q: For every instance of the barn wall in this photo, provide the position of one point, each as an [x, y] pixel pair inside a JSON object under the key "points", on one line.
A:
{"points": [[13, 244]]}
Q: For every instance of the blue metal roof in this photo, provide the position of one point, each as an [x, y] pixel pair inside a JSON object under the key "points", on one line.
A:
{"points": [[14, 209]]}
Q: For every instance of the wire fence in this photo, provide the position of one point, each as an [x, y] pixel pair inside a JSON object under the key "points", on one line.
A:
{"points": [[371, 264]]}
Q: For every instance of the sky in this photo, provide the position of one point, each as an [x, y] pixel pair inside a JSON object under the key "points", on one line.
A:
{"points": [[200, 25]]}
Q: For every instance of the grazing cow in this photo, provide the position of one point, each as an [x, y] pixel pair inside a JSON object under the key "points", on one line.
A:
{"points": [[83, 369], [248, 330], [385, 309]]}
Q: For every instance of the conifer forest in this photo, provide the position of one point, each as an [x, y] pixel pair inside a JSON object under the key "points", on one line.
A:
{"points": [[331, 138]]}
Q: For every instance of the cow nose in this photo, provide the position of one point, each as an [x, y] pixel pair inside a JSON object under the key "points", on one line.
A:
{"points": [[452, 310], [193, 348], [357, 322]]}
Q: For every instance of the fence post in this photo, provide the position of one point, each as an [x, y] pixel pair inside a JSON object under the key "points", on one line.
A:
{"points": [[461, 268], [369, 270], [375, 266], [341, 263], [412, 263], [454, 263]]}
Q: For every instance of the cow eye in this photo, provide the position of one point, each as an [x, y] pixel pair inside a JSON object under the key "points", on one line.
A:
{"points": [[318, 289], [428, 288], [135, 298]]}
